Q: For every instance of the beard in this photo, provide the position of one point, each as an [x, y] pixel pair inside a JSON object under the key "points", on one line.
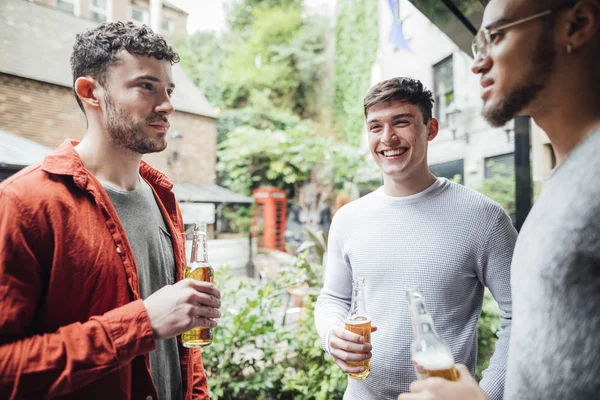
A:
{"points": [[543, 65], [129, 134]]}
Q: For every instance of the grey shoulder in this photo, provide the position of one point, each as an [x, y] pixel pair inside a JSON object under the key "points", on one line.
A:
{"points": [[473, 200]]}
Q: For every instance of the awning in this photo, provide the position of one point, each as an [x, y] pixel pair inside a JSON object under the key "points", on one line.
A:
{"points": [[208, 193], [17, 152]]}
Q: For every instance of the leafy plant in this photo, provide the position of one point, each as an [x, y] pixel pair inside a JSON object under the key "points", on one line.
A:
{"points": [[500, 187], [356, 38], [487, 328], [254, 357]]}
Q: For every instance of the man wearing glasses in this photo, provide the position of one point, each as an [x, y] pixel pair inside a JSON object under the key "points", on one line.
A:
{"points": [[540, 58]]}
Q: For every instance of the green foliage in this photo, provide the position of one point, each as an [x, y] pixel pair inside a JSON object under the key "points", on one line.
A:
{"points": [[202, 57], [487, 327], [239, 218], [250, 158], [310, 372], [254, 357], [356, 47], [501, 186], [240, 15]]}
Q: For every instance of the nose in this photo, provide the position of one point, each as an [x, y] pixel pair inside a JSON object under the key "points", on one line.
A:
{"points": [[481, 64], [389, 135], [165, 107]]}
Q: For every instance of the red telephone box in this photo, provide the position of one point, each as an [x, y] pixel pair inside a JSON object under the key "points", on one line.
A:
{"points": [[270, 217]]}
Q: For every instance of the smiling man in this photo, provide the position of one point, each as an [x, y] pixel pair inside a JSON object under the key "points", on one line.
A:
{"points": [[415, 230], [540, 58], [91, 243]]}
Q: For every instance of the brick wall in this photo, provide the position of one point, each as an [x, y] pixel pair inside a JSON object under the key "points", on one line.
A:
{"points": [[48, 114]]}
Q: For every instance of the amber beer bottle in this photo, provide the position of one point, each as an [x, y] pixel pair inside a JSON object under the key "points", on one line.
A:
{"points": [[359, 322], [198, 269], [431, 356]]}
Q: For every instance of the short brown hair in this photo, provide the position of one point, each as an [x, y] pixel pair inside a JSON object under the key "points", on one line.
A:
{"points": [[96, 49], [409, 90]]}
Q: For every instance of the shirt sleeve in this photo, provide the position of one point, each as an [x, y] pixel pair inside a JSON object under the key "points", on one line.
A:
{"points": [[53, 364], [200, 384], [334, 301], [494, 273]]}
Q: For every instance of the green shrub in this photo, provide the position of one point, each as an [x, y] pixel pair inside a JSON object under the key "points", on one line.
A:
{"points": [[254, 357], [487, 327]]}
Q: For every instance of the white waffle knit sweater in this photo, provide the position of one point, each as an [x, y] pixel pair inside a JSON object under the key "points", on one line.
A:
{"points": [[448, 239]]}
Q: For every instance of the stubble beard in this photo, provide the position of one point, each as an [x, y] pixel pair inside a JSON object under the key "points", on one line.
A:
{"points": [[128, 134], [543, 65]]}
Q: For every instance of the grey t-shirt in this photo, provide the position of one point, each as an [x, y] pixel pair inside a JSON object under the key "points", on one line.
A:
{"points": [[555, 343], [153, 250]]}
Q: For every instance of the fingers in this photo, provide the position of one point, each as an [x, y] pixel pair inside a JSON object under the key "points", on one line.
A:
{"points": [[426, 384], [373, 328], [411, 396], [200, 322], [201, 286], [335, 343], [346, 346], [196, 298], [346, 335], [463, 372], [206, 312], [347, 368]]}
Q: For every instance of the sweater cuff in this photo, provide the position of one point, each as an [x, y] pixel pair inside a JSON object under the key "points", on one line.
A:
{"points": [[326, 341], [130, 330]]}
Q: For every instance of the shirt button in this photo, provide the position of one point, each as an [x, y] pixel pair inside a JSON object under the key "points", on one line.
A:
{"points": [[118, 250], [148, 397]]}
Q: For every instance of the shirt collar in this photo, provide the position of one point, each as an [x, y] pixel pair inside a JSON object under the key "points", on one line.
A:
{"points": [[66, 161]]}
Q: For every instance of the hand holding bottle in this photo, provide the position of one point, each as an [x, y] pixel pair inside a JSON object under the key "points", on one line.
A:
{"points": [[346, 347], [175, 309], [466, 388]]}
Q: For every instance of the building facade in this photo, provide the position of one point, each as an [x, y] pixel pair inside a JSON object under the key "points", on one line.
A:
{"points": [[36, 97]]}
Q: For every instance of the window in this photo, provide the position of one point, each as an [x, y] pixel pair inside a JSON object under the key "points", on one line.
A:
{"points": [[139, 15], [99, 10], [449, 170], [443, 80], [66, 5], [502, 165], [168, 25]]}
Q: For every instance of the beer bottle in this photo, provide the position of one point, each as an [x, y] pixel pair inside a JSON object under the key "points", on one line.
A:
{"points": [[198, 269], [431, 356], [359, 322]]}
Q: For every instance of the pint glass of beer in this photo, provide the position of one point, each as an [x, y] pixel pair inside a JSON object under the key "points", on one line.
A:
{"points": [[359, 322], [431, 355]]}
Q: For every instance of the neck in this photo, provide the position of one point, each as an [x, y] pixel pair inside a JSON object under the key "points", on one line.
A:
{"points": [[407, 186], [110, 164], [572, 118]]}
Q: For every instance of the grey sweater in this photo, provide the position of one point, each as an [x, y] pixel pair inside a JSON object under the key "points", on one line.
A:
{"points": [[555, 345], [450, 240]]}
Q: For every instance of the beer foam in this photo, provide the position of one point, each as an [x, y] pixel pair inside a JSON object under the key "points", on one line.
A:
{"points": [[359, 320], [434, 360]]}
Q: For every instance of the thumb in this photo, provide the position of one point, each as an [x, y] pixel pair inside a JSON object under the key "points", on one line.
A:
{"points": [[463, 371]]}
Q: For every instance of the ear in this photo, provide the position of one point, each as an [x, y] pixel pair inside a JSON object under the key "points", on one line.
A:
{"points": [[583, 23], [86, 89], [433, 127]]}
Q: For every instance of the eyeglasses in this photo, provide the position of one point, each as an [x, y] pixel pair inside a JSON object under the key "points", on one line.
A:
{"points": [[485, 37]]}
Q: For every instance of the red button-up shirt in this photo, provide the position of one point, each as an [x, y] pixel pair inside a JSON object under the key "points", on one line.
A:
{"points": [[72, 324]]}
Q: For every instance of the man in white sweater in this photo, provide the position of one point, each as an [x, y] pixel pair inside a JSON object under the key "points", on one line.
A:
{"points": [[415, 230]]}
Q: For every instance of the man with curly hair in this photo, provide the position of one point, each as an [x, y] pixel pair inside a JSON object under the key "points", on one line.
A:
{"points": [[92, 243]]}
